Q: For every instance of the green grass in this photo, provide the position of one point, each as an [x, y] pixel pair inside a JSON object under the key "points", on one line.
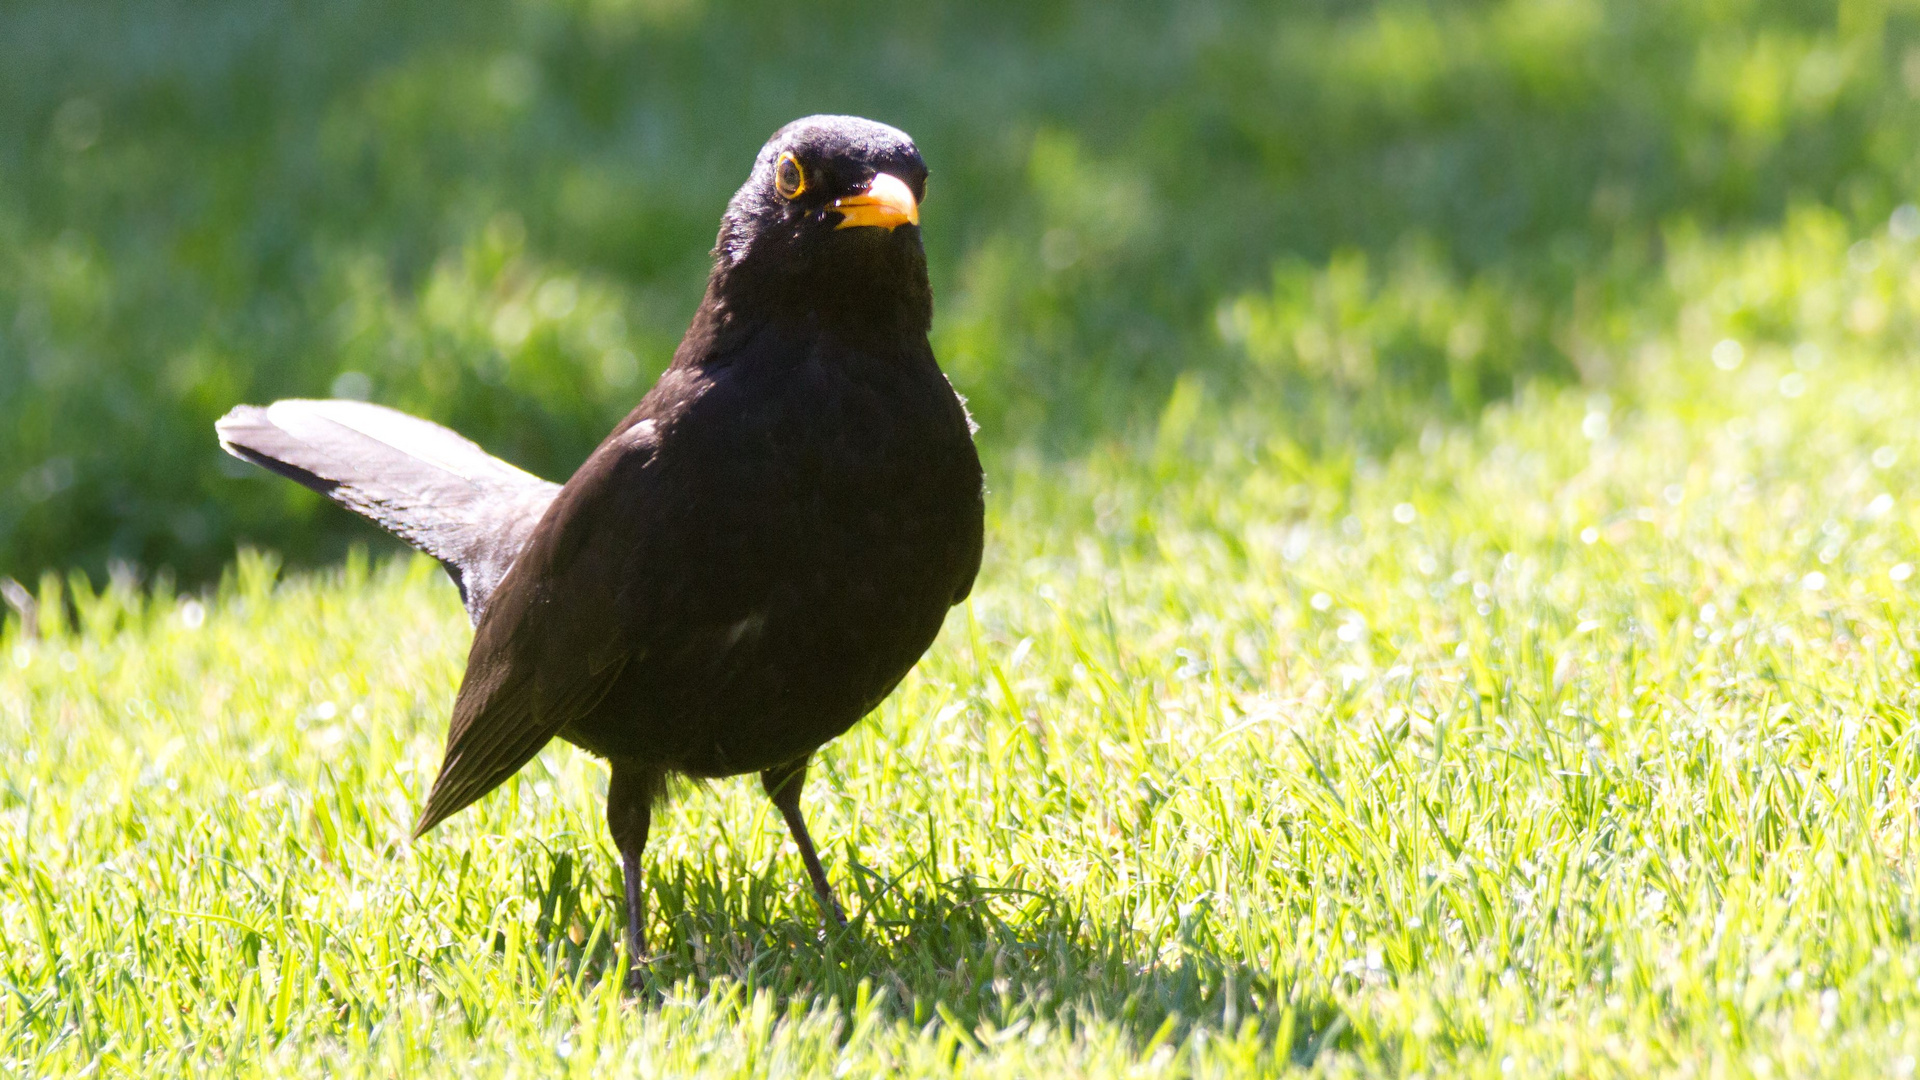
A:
{"points": [[1450, 605], [496, 213], [1577, 740]]}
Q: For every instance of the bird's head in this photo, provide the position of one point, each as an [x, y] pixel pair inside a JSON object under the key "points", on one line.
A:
{"points": [[827, 227]]}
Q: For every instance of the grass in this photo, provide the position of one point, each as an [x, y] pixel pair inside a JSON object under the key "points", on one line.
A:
{"points": [[497, 212], [1576, 740], [1450, 598]]}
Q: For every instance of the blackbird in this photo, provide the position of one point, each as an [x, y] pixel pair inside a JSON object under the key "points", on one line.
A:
{"points": [[754, 557]]}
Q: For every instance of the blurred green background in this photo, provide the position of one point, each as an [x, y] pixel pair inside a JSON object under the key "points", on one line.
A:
{"points": [[1330, 224]]}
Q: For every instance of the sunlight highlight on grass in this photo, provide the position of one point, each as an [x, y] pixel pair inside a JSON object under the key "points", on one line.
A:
{"points": [[1575, 742], [1578, 741]]}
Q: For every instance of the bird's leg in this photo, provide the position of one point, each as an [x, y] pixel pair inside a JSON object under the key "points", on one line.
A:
{"points": [[783, 783], [630, 793]]}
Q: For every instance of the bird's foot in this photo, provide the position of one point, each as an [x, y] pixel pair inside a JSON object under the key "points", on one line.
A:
{"points": [[639, 963], [641, 974]]}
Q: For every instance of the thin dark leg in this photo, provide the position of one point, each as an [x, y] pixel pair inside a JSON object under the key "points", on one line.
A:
{"points": [[630, 794], [783, 785]]}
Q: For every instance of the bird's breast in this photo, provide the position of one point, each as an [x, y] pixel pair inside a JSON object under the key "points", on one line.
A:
{"points": [[825, 518]]}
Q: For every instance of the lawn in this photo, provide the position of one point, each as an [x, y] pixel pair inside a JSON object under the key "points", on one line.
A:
{"points": [[1454, 533], [1578, 739], [497, 213]]}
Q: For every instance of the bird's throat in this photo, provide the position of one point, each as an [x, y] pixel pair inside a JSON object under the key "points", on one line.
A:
{"points": [[874, 301]]}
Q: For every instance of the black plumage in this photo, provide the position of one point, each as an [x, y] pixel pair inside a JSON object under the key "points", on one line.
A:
{"points": [[754, 557]]}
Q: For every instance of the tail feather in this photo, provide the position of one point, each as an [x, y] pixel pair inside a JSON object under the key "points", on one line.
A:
{"points": [[423, 483]]}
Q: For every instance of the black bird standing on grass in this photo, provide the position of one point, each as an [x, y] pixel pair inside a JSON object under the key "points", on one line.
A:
{"points": [[755, 556]]}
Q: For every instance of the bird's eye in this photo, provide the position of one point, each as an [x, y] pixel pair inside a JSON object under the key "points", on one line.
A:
{"points": [[789, 179]]}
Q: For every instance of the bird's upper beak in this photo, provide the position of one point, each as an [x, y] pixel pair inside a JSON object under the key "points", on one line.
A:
{"points": [[887, 203]]}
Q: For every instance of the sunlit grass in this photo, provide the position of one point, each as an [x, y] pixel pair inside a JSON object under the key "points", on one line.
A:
{"points": [[1577, 741]]}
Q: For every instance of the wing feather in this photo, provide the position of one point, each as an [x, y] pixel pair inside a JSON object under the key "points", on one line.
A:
{"points": [[538, 663], [500, 732]]}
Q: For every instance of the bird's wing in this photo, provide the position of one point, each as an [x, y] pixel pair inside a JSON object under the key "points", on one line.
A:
{"points": [[504, 727], [423, 483], [558, 633]]}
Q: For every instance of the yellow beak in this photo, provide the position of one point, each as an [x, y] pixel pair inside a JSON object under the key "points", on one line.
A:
{"points": [[888, 203]]}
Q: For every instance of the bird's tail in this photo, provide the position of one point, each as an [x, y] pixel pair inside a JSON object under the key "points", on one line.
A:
{"points": [[416, 479]]}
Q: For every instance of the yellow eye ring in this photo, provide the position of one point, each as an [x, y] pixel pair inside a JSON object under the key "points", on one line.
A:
{"points": [[789, 179]]}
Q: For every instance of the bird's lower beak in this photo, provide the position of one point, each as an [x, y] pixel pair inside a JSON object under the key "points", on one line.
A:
{"points": [[887, 203]]}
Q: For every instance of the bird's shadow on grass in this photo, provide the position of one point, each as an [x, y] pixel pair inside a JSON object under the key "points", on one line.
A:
{"points": [[983, 959]]}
